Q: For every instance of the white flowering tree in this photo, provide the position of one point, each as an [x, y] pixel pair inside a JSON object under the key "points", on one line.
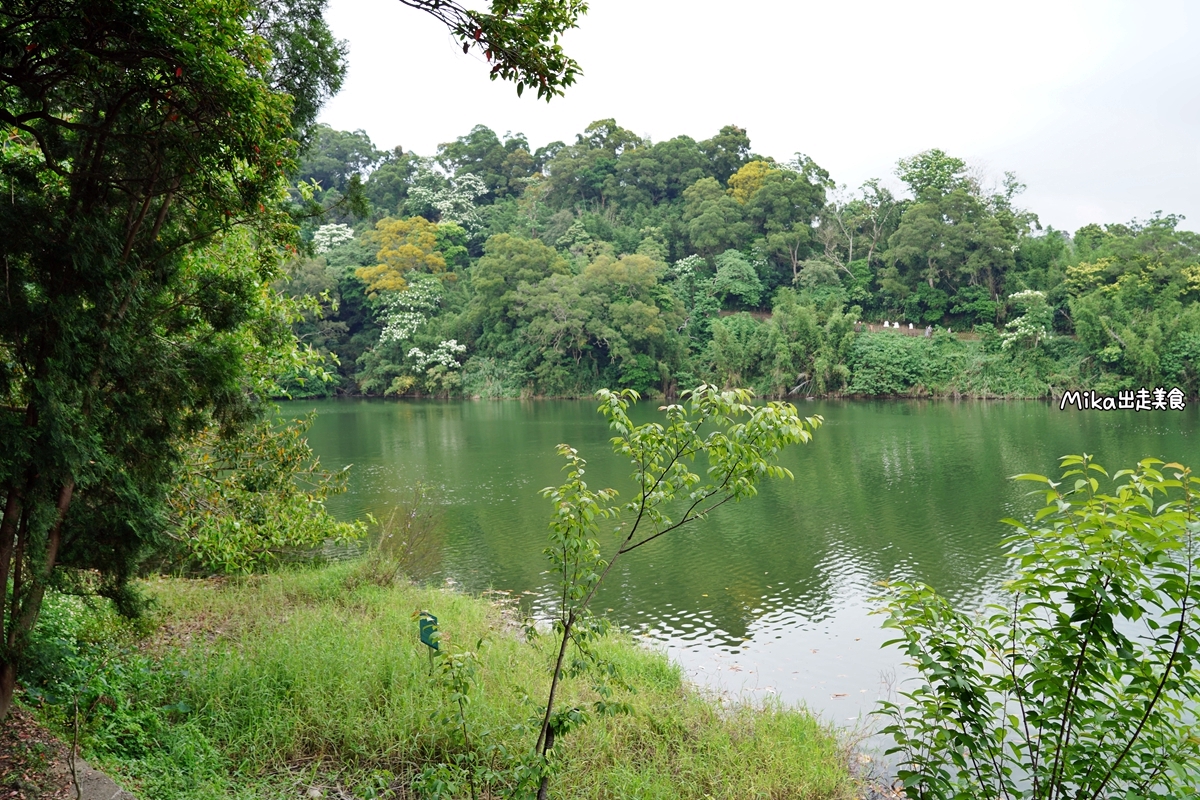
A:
{"points": [[697, 294], [1033, 326], [445, 355], [330, 236], [406, 311], [403, 314], [453, 197]]}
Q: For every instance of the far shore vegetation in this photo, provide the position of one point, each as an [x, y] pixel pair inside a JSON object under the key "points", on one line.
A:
{"points": [[493, 268]]}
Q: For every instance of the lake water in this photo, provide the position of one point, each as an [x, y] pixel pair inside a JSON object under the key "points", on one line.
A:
{"points": [[770, 596]]}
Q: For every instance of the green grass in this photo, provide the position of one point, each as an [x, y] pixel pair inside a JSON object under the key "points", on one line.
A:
{"points": [[268, 686]]}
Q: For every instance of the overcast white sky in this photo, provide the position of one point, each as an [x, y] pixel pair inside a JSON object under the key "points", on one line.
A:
{"points": [[1095, 105]]}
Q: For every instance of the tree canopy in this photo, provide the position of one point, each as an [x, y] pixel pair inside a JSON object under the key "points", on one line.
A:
{"points": [[136, 137], [725, 231]]}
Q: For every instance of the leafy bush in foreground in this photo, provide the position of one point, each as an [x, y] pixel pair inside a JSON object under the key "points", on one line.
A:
{"points": [[1083, 683]]}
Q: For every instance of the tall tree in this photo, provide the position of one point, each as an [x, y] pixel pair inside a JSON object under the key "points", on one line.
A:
{"points": [[658, 173], [954, 245], [133, 131], [854, 228], [508, 262], [388, 184], [783, 207], [948, 243], [714, 221], [334, 157], [501, 164], [744, 183], [932, 174], [404, 245], [145, 146], [727, 152], [585, 172], [307, 62]]}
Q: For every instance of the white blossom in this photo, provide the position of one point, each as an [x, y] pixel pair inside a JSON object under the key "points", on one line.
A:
{"points": [[1034, 325], [1027, 297], [405, 312], [685, 268], [454, 202], [330, 236], [443, 355]]}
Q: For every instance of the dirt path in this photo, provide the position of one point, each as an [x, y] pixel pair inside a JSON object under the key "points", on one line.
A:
{"points": [[34, 765]]}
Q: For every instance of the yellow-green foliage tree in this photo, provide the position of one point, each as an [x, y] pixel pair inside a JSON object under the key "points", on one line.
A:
{"points": [[748, 180], [404, 245], [627, 318]]}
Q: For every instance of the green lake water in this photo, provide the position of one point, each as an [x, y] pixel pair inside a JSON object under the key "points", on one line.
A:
{"points": [[771, 596]]}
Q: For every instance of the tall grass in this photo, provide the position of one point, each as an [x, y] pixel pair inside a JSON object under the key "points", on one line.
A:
{"points": [[278, 684]]}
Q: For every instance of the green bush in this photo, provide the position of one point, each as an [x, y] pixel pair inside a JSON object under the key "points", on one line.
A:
{"points": [[885, 364], [244, 500], [490, 378], [1082, 681]]}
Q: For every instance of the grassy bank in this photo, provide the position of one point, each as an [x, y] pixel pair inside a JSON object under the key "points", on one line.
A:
{"points": [[275, 685]]}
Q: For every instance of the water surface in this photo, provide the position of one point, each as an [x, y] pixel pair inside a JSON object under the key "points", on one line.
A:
{"points": [[771, 595]]}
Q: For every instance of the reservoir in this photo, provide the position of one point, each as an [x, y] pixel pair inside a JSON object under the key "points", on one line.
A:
{"points": [[771, 596]]}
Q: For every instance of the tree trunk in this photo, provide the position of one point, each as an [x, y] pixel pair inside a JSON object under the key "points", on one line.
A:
{"points": [[8, 683], [544, 786], [23, 610], [8, 536]]}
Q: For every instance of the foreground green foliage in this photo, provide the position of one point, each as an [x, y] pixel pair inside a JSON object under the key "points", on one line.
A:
{"points": [[243, 500], [144, 150], [1083, 682], [518, 38], [741, 444], [267, 686], [144, 147]]}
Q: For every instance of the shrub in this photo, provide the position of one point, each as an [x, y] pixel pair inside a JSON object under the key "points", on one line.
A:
{"points": [[885, 364], [1083, 682], [243, 501]]}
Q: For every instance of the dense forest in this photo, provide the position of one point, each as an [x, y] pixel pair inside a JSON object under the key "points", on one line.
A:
{"points": [[492, 269]]}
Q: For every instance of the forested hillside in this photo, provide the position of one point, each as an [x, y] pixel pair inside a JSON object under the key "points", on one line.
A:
{"points": [[492, 269]]}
